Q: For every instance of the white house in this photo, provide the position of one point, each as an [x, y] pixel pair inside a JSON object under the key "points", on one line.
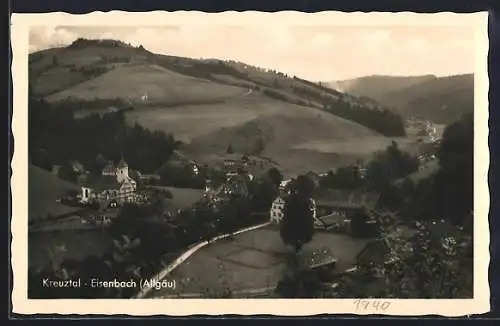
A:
{"points": [[114, 183], [278, 206], [277, 210]]}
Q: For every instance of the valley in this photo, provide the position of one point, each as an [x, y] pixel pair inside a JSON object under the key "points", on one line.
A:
{"points": [[139, 160]]}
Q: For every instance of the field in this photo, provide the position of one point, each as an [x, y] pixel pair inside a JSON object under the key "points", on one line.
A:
{"points": [[162, 86], [251, 260], [43, 190]]}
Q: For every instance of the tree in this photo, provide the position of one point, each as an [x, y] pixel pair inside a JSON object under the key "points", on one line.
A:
{"points": [[297, 225], [303, 186], [230, 149], [390, 165], [454, 181], [275, 176]]}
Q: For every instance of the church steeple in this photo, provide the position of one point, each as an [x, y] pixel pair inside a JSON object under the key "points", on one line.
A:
{"points": [[122, 163], [122, 170]]}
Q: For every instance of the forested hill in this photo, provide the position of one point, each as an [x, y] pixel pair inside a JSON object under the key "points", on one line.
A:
{"points": [[55, 70], [439, 99]]}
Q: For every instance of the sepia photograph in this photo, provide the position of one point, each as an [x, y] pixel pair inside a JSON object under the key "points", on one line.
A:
{"points": [[240, 159]]}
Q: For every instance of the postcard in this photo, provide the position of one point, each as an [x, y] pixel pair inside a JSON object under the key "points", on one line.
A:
{"points": [[250, 163]]}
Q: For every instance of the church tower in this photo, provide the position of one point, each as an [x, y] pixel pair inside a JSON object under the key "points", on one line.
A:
{"points": [[122, 171]]}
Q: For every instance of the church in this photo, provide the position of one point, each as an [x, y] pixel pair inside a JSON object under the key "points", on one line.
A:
{"points": [[114, 184]]}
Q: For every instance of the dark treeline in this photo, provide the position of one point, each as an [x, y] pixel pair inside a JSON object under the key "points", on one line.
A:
{"points": [[384, 121], [56, 137], [202, 69], [316, 85], [82, 42], [386, 167]]}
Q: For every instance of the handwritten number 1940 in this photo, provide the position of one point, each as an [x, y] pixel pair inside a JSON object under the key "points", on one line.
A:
{"points": [[367, 305]]}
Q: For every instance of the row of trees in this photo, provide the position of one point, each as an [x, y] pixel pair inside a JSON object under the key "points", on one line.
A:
{"points": [[83, 42], [384, 121], [381, 172], [57, 137]]}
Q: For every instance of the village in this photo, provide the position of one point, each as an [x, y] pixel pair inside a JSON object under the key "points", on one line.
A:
{"points": [[99, 200], [100, 197]]}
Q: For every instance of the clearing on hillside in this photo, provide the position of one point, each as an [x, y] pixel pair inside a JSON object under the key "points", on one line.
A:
{"points": [[159, 85]]}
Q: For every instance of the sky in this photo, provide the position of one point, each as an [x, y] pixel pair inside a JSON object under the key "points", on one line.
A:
{"points": [[316, 53]]}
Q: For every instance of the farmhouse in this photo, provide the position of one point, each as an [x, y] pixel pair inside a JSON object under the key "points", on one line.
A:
{"points": [[346, 203], [114, 184]]}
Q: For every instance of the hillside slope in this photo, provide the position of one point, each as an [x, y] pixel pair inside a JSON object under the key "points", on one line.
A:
{"points": [[90, 70], [377, 86], [161, 86], [442, 100], [43, 190], [280, 133], [54, 70], [439, 99]]}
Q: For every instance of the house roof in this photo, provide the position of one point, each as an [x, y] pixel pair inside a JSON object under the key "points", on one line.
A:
{"points": [[374, 251], [110, 167], [393, 241], [347, 199]]}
